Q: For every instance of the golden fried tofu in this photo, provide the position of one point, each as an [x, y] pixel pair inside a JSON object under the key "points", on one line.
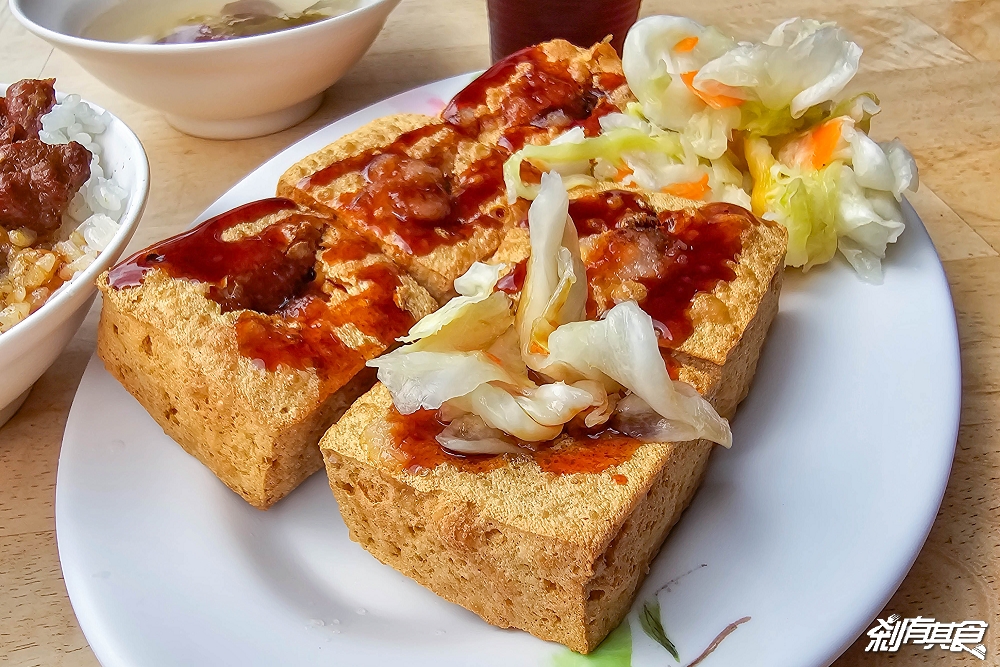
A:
{"points": [[432, 198], [544, 547], [246, 337], [431, 190], [539, 92]]}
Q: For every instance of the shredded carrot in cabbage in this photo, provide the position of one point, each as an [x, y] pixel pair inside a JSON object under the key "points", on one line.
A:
{"points": [[686, 45], [824, 140], [623, 172], [714, 101], [691, 190]]}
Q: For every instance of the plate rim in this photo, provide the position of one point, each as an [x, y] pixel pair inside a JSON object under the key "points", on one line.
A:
{"points": [[954, 394]]}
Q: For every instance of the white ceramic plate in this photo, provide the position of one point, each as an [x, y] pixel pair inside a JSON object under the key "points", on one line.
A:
{"points": [[807, 525]]}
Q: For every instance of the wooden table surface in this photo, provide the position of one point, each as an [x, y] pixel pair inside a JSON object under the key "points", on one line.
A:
{"points": [[936, 68]]}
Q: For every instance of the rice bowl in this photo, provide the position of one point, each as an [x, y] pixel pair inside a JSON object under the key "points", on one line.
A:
{"points": [[89, 224], [29, 348]]}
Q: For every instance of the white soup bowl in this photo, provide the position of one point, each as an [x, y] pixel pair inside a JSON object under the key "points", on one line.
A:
{"points": [[230, 89]]}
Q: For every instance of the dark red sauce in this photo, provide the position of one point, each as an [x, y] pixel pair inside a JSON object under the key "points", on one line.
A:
{"points": [[358, 162], [303, 333], [301, 337], [514, 281], [593, 454], [588, 451], [374, 311], [418, 204], [288, 318], [610, 209], [354, 247], [610, 80], [541, 95], [693, 252], [592, 124], [529, 174], [414, 436], [259, 272]]}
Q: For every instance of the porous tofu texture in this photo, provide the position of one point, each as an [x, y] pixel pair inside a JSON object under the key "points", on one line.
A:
{"points": [[436, 270], [598, 68], [174, 349], [558, 556]]}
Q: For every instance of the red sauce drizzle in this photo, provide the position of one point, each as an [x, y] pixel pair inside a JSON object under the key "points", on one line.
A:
{"points": [[592, 454], [415, 205], [301, 337], [695, 251], [260, 272], [541, 94], [608, 210], [514, 281], [414, 436], [355, 247], [287, 318], [418, 204], [303, 333], [359, 162], [374, 312], [587, 452], [610, 80]]}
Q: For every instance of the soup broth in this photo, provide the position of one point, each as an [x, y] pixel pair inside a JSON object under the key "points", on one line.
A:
{"points": [[191, 21]]}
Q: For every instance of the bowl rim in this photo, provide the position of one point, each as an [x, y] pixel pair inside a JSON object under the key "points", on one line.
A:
{"points": [[86, 280], [61, 38]]}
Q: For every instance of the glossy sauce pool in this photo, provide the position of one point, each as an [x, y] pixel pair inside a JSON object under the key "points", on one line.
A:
{"points": [[693, 251], [418, 204], [259, 272], [303, 334], [287, 317], [541, 95], [588, 452]]}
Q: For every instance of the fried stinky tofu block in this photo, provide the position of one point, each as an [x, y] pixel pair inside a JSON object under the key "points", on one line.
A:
{"points": [[430, 190], [539, 542], [537, 93], [431, 198], [246, 337]]}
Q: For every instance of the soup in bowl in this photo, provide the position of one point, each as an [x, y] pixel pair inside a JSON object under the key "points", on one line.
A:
{"points": [[219, 88]]}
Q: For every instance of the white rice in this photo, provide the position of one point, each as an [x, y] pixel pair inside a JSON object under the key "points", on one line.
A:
{"points": [[100, 202], [89, 224]]}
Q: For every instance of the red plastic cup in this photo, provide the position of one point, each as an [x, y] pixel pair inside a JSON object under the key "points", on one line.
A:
{"points": [[515, 24]]}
